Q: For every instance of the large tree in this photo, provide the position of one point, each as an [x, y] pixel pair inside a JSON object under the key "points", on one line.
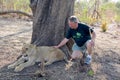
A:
{"points": [[50, 21]]}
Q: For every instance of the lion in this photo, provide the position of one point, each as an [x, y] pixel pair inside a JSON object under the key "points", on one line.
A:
{"points": [[32, 54]]}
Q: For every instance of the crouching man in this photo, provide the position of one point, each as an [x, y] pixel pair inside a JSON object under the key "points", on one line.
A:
{"points": [[83, 36]]}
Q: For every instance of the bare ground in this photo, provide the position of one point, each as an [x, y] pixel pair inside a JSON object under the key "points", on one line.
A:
{"points": [[106, 57]]}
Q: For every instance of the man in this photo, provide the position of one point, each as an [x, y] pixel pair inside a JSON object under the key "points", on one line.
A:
{"points": [[83, 36]]}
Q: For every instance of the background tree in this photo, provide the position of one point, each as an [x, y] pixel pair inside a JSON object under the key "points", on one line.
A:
{"points": [[50, 21]]}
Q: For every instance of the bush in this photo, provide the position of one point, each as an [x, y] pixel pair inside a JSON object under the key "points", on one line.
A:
{"points": [[104, 26], [22, 5]]}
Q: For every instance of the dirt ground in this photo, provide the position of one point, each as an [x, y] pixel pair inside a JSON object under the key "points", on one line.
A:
{"points": [[106, 57]]}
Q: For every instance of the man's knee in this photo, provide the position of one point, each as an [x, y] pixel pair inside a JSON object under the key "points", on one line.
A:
{"points": [[89, 44], [76, 54]]}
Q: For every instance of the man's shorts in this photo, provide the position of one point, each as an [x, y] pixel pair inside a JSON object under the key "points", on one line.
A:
{"points": [[82, 48]]}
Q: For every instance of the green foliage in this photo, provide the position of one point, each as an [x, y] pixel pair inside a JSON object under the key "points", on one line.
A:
{"points": [[22, 5], [118, 5], [117, 18], [109, 5], [90, 73], [81, 10], [105, 1], [83, 16], [108, 10]]}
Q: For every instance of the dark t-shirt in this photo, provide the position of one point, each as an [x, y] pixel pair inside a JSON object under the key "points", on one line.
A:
{"points": [[80, 35]]}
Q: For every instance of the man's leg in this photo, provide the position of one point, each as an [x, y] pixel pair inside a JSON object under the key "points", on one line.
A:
{"points": [[89, 46], [76, 54]]}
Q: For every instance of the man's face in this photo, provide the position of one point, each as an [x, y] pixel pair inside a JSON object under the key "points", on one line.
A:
{"points": [[72, 25]]}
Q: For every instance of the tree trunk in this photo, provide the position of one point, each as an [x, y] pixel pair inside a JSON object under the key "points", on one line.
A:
{"points": [[50, 21]]}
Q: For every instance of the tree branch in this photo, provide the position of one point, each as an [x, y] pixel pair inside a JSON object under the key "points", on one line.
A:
{"points": [[18, 12]]}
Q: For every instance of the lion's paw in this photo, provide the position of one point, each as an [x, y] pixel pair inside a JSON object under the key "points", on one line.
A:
{"points": [[18, 69], [10, 66]]}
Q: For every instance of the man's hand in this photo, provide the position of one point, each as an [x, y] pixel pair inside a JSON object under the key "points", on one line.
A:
{"points": [[55, 46], [63, 42]]}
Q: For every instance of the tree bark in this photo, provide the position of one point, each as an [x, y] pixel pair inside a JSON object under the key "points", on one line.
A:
{"points": [[50, 21], [33, 5]]}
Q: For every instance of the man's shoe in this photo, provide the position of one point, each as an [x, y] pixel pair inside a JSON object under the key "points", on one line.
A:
{"points": [[88, 60]]}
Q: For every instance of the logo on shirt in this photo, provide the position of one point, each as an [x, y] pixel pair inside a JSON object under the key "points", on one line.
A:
{"points": [[78, 35]]}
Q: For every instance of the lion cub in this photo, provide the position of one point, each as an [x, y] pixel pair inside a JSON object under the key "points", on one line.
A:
{"points": [[32, 54]]}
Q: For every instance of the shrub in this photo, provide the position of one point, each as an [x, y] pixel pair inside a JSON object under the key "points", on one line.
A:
{"points": [[104, 26]]}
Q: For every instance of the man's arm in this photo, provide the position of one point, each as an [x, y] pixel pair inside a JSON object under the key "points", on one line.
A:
{"points": [[63, 42], [93, 36]]}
